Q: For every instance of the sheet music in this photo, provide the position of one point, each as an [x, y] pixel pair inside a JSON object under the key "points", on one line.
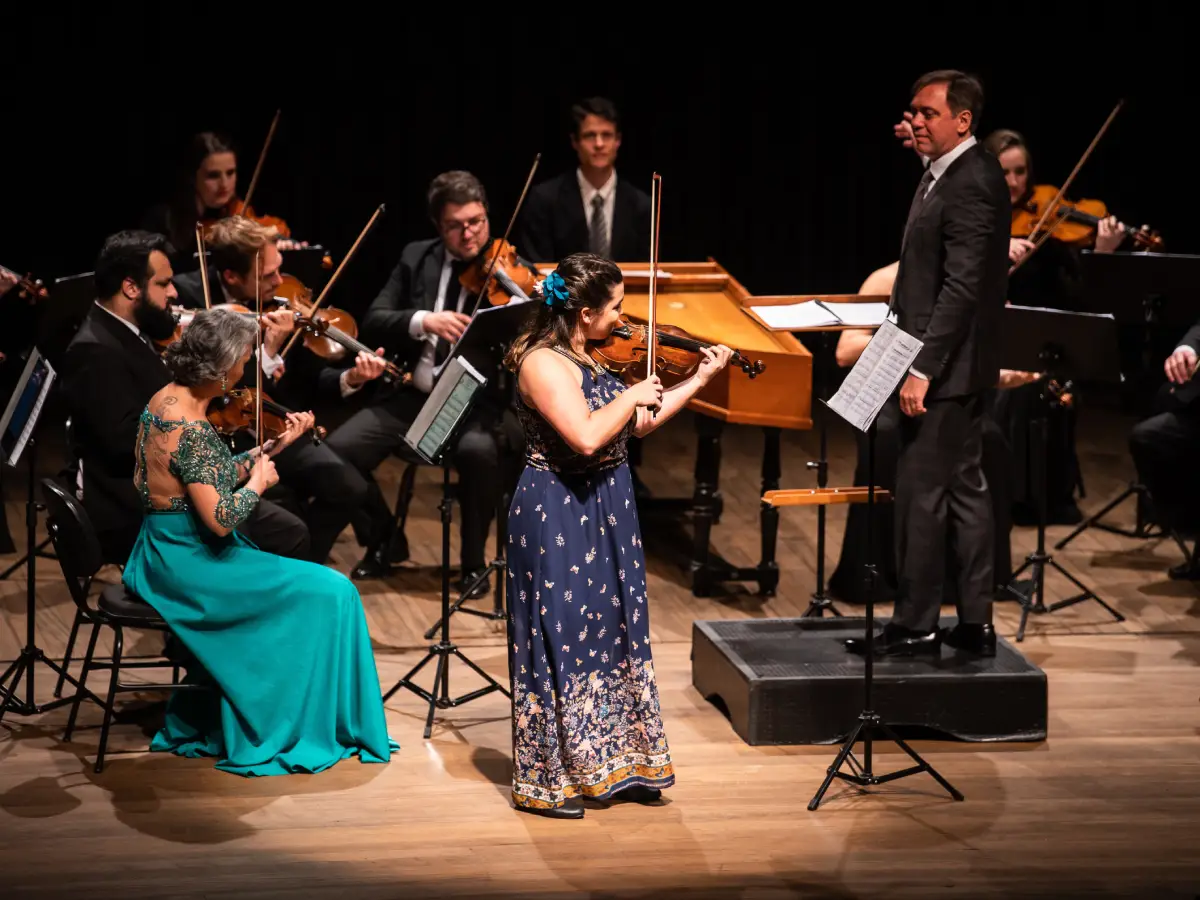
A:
{"points": [[874, 377], [865, 314], [809, 314]]}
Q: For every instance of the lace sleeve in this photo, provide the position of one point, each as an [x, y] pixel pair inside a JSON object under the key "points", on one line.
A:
{"points": [[243, 463], [202, 459]]}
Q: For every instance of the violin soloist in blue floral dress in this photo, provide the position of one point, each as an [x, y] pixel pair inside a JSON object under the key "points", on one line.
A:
{"points": [[586, 716], [282, 642]]}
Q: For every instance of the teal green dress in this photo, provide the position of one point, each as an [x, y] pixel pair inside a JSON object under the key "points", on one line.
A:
{"points": [[284, 642]]}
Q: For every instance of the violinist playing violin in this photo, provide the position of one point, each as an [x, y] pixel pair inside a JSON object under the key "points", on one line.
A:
{"points": [[421, 312], [111, 368], [315, 482], [586, 720], [206, 191]]}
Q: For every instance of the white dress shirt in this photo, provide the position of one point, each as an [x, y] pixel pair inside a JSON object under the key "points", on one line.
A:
{"points": [[938, 168], [423, 373], [608, 194]]}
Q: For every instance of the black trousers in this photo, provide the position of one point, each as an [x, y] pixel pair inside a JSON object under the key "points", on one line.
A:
{"points": [[368, 437], [848, 582], [1165, 448], [943, 514], [320, 488]]}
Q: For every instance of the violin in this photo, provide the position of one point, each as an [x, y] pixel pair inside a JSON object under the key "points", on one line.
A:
{"points": [[234, 412], [509, 278], [676, 354], [28, 287], [183, 318], [322, 329], [338, 323], [1072, 223]]}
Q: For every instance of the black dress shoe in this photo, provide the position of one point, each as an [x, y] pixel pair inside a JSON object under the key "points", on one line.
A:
{"points": [[481, 590], [897, 641], [572, 809], [976, 640], [1188, 571], [639, 793]]}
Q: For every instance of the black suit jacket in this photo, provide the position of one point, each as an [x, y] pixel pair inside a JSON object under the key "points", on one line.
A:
{"points": [[412, 286], [307, 378], [109, 375], [553, 223], [953, 275]]}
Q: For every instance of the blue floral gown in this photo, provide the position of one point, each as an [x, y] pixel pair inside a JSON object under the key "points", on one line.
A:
{"points": [[283, 642], [586, 716]]}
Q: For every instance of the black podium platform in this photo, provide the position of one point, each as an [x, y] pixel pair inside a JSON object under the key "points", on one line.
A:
{"points": [[791, 681]]}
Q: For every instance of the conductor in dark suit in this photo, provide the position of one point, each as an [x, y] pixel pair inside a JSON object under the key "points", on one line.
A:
{"points": [[949, 292], [588, 209], [420, 313], [110, 371]]}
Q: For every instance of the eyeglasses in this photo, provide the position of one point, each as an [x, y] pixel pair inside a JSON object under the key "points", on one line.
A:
{"points": [[461, 227]]}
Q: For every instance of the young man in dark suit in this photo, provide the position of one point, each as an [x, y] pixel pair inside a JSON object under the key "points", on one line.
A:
{"points": [[589, 209], [420, 313], [110, 370], [949, 292], [1164, 447], [314, 481]]}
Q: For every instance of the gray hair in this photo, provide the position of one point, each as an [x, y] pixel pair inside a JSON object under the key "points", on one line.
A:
{"points": [[211, 345]]}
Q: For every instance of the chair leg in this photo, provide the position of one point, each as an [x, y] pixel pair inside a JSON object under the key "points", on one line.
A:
{"points": [[66, 666], [113, 681], [87, 665]]}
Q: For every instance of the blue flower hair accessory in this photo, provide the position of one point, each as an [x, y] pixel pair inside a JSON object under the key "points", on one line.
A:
{"points": [[554, 290]]}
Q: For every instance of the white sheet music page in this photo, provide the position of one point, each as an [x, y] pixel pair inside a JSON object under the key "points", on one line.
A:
{"points": [[875, 376], [809, 314]]}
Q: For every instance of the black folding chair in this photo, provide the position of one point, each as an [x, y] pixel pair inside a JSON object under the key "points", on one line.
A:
{"points": [[117, 608]]}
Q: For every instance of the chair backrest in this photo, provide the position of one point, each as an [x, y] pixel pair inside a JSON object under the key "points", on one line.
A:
{"points": [[74, 537]]}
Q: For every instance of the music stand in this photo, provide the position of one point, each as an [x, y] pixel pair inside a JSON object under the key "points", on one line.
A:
{"points": [[71, 298], [17, 428], [431, 435], [491, 330], [874, 378], [1156, 291], [1062, 346]]}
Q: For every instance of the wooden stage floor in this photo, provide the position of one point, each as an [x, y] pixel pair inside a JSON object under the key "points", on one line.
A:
{"points": [[1105, 806]]}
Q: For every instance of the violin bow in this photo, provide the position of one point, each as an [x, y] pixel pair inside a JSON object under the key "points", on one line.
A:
{"points": [[655, 220], [258, 166], [329, 284], [1053, 205], [203, 265], [507, 231], [258, 338]]}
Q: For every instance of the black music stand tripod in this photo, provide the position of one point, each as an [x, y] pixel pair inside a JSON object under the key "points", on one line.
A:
{"points": [[483, 345], [1156, 291], [431, 436], [869, 721], [866, 375], [1060, 345], [17, 429]]}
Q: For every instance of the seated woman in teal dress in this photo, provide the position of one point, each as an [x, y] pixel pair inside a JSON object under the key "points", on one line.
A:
{"points": [[282, 642], [586, 720]]}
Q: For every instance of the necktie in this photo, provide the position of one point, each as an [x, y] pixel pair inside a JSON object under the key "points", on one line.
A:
{"points": [[597, 234], [919, 197], [451, 302]]}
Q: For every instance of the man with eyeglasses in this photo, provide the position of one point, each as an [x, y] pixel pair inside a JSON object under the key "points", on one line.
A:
{"points": [[420, 313]]}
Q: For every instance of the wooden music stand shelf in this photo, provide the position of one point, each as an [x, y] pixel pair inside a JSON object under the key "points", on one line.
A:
{"points": [[823, 496]]}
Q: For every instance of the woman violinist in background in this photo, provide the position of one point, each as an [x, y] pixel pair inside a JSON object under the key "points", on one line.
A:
{"points": [[586, 719], [207, 191], [1051, 277]]}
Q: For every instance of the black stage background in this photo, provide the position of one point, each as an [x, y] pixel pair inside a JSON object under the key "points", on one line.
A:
{"points": [[774, 141]]}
